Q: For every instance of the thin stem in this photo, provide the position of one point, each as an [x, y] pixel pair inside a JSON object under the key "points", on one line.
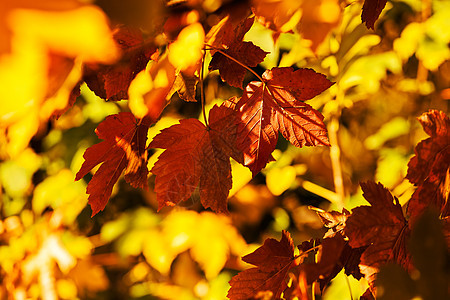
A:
{"points": [[236, 61], [349, 287], [313, 288], [422, 71], [307, 251], [335, 152], [335, 156], [202, 90]]}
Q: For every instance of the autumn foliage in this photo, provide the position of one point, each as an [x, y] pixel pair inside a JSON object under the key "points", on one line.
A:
{"points": [[261, 101]]}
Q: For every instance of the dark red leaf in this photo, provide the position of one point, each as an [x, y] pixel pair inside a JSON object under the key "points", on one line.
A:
{"points": [[111, 82], [197, 156], [429, 169], [123, 148], [371, 11], [327, 265], [382, 228], [273, 261], [233, 45]]}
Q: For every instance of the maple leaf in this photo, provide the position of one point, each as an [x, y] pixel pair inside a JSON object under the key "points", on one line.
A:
{"points": [[429, 168], [381, 228], [122, 148], [276, 105], [327, 265], [233, 45], [197, 155], [349, 258], [371, 11], [111, 82], [273, 260]]}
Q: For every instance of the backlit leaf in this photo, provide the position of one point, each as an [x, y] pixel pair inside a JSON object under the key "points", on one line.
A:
{"points": [[197, 156], [111, 82], [122, 149], [277, 106], [273, 260], [233, 45]]}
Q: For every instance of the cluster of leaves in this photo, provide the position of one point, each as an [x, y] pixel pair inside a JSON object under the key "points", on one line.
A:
{"points": [[364, 240], [42, 252], [245, 129]]}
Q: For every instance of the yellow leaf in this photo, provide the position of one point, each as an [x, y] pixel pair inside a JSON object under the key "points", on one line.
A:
{"points": [[186, 51], [279, 180], [211, 238], [30, 95], [62, 193], [158, 252]]}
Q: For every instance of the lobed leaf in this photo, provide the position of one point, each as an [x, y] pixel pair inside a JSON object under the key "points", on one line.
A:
{"points": [[233, 45], [122, 149], [111, 82], [429, 168], [277, 106], [197, 155], [273, 260], [381, 228]]}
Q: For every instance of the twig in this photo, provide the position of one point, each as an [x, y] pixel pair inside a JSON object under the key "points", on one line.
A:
{"points": [[335, 156], [202, 89], [422, 71]]}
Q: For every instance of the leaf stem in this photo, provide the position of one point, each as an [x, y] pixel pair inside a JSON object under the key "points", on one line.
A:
{"points": [[236, 61], [422, 71], [202, 89], [349, 287], [335, 152]]}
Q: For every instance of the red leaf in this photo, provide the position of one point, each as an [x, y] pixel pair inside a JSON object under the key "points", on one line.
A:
{"points": [[277, 106], [350, 257], [273, 261], [429, 168], [371, 11], [197, 155], [111, 82], [233, 45], [382, 227], [123, 148], [328, 262]]}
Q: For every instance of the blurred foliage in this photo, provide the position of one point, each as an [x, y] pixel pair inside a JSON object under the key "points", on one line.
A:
{"points": [[49, 246]]}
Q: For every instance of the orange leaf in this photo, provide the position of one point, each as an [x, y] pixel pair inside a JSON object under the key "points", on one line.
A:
{"points": [[276, 15], [277, 106], [233, 45], [197, 155], [123, 148], [273, 260]]}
